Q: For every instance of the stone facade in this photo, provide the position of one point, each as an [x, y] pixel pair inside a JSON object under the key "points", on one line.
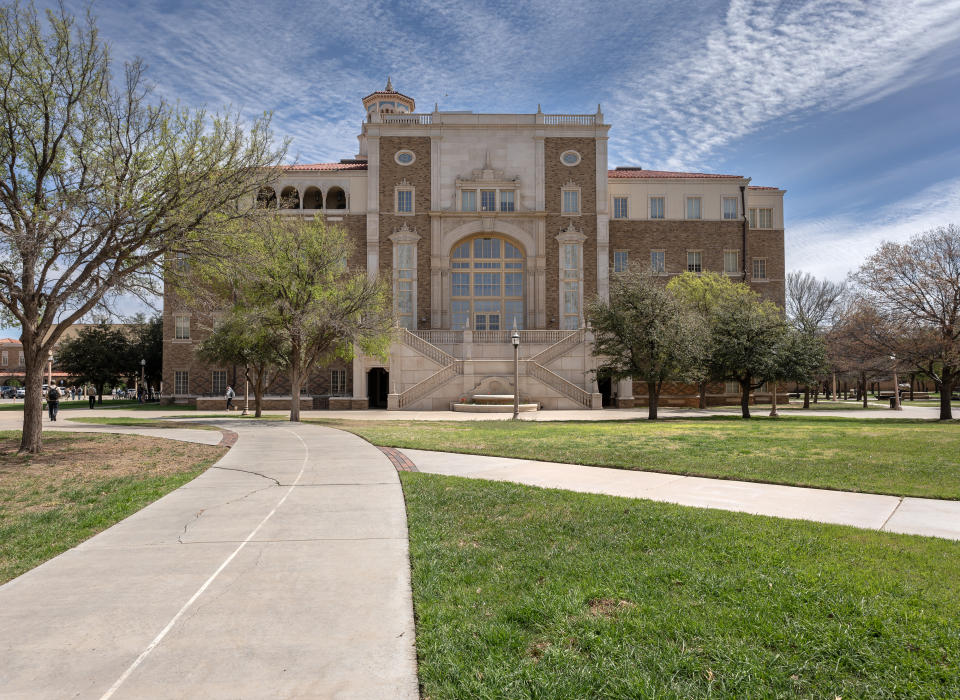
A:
{"points": [[519, 158]]}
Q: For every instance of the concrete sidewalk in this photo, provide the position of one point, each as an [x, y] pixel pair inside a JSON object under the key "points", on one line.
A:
{"points": [[283, 571], [914, 516]]}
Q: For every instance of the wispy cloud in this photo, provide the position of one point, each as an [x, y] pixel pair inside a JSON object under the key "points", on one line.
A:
{"points": [[770, 61], [831, 247]]}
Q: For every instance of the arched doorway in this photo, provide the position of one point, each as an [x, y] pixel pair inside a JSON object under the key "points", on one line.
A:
{"points": [[378, 380], [486, 276], [605, 387]]}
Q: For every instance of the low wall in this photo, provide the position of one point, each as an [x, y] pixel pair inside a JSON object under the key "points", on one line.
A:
{"points": [[269, 403], [347, 403]]}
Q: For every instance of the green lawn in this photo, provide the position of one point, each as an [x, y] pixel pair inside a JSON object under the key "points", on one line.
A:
{"points": [[531, 593], [164, 422], [899, 457], [80, 485]]}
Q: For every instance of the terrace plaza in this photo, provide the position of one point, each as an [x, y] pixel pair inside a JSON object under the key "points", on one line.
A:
{"points": [[488, 222]]}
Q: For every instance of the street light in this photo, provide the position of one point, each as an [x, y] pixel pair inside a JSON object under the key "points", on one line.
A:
{"points": [[143, 378], [515, 339], [896, 385]]}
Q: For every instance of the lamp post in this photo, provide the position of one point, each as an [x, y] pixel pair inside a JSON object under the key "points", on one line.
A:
{"points": [[143, 378], [896, 385], [515, 339]]}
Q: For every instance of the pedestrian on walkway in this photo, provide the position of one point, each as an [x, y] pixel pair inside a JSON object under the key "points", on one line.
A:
{"points": [[230, 396], [53, 402]]}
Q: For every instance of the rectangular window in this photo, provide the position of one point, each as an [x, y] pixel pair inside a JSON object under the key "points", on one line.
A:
{"points": [[694, 261], [4, 358], [181, 329], [468, 200], [405, 201], [761, 218], [488, 200], [731, 262], [460, 314], [571, 286], [338, 382], [513, 315], [182, 264], [759, 268], [657, 207], [461, 284], [694, 208], [506, 200], [487, 315], [486, 284], [20, 359], [406, 314], [619, 207], [731, 387], [512, 284], [219, 382], [619, 261], [571, 202], [658, 264], [181, 382], [729, 207]]}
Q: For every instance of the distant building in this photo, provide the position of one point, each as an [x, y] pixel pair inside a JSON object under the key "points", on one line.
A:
{"points": [[486, 222]]}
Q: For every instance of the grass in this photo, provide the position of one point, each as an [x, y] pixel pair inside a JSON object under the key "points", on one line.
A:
{"points": [[898, 457], [142, 422], [80, 485], [532, 593]]}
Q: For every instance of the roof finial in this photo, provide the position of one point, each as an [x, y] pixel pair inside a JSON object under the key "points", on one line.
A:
{"points": [[389, 87]]}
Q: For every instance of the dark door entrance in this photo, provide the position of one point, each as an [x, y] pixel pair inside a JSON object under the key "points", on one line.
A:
{"points": [[377, 380], [603, 386]]}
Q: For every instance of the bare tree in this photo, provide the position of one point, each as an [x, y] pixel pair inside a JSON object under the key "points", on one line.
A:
{"points": [[916, 287], [812, 306], [100, 181], [852, 343]]}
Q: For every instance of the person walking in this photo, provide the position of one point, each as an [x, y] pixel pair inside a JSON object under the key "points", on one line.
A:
{"points": [[230, 396], [53, 402]]}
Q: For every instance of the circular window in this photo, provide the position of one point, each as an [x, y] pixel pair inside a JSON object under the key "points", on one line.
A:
{"points": [[405, 157], [569, 157]]}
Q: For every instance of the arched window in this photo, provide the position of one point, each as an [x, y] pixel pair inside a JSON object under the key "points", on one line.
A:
{"points": [[266, 198], [312, 198], [486, 284], [336, 199], [290, 198]]}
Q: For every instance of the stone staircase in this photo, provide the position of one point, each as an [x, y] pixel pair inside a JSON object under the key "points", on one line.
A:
{"points": [[486, 354]]}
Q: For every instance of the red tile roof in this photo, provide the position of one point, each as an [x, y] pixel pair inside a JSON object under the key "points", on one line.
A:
{"points": [[327, 166], [638, 172]]}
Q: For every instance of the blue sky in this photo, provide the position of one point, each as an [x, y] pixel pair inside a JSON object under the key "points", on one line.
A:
{"points": [[853, 107]]}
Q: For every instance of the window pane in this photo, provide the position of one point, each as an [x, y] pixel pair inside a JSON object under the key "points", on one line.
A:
{"points": [[488, 200], [731, 261], [764, 218], [752, 218], [729, 207], [506, 200], [461, 251], [571, 201], [404, 201], [620, 207], [759, 268], [405, 256], [619, 261], [656, 207], [513, 314], [693, 261], [657, 258], [469, 200], [693, 207], [513, 284], [571, 297]]}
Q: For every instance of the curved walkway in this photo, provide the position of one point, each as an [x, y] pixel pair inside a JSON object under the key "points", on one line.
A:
{"points": [[912, 516], [282, 571]]}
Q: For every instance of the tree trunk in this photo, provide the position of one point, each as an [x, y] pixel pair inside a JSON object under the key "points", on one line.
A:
{"points": [[946, 392], [913, 379], [745, 398], [258, 395], [31, 440], [863, 383], [653, 397], [806, 396], [295, 379], [702, 388]]}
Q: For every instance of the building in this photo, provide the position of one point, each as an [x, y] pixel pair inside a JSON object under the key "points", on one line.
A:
{"points": [[484, 222]]}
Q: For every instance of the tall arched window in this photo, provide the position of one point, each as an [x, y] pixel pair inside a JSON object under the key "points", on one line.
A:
{"points": [[487, 284]]}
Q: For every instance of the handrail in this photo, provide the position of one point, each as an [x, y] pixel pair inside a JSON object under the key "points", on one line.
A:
{"points": [[561, 347], [414, 119], [555, 381], [425, 348], [421, 389], [440, 337], [575, 119]]}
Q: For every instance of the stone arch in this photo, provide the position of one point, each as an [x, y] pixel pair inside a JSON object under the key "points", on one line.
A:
{"points": [[525, 240], [290, 198], [312, 198], [267, 198], [336, 198]]}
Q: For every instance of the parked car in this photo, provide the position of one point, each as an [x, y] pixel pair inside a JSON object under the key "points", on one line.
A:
{"points": [[8, 392], [21, 393]]}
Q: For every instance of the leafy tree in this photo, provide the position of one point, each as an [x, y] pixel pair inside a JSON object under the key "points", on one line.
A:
{"points": [[915, 287], [299, 290], [236, 342], [747, 340], [101, 180], [147, 344], [703, 294], [644, 332], [98, 355]]}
